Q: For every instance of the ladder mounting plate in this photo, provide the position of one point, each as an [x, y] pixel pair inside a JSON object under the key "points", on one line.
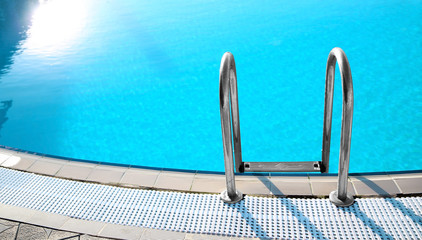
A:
{"points": [[308, 166]]}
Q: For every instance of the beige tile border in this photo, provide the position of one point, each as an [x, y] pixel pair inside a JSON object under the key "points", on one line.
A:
{"points": [[179, 181], [388, 184], [139, 177]]}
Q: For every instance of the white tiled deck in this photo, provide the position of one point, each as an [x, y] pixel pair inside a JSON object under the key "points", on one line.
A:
{"points": [[180, 183]]}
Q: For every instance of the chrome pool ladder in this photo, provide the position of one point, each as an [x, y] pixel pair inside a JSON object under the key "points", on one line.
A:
{"points": [[228, 95]]}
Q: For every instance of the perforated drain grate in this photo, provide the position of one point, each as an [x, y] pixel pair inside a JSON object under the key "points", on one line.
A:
{"points": [[281, 218]]}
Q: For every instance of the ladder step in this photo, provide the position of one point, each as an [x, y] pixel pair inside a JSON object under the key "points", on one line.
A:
{"points": [[308, 166]]}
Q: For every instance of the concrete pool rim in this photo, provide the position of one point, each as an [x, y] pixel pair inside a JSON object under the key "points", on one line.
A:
{"points": [[125, 213], [260, 184]]}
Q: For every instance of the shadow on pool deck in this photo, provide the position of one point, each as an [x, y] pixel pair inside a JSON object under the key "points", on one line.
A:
{"points": [[301, 217], [256, 228], [397, 204]]}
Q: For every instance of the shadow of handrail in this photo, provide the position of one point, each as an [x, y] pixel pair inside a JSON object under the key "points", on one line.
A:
{"points": [[241, 208], [371, 224], [396, 204], [354, 209], [301, 217]]}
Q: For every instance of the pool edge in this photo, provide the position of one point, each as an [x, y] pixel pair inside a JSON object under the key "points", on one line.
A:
{"points": [[270, 185]]}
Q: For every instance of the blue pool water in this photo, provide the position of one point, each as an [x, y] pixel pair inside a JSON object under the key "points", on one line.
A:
{"points": [[136, 82]]}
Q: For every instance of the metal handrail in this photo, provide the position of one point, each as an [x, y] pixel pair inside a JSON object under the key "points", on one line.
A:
{"points": [[228, 91], [339, 197], [228, 94]]}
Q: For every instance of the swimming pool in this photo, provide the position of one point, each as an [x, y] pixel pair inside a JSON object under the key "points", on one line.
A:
{"points": [[137, 81]]}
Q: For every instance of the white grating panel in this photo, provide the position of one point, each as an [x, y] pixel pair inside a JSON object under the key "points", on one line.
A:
{"points": [[281, 218]]}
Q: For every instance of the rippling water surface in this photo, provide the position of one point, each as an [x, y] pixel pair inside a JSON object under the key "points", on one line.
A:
{"points": [[136, 81]]}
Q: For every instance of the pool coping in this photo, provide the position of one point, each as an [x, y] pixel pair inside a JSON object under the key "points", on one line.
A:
{"points": [[384, 184]]}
